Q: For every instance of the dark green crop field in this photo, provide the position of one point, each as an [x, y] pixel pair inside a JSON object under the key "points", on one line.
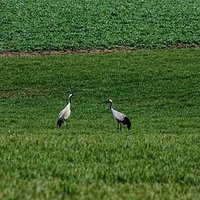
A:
{"points": [[159, 158], [57, 25]]}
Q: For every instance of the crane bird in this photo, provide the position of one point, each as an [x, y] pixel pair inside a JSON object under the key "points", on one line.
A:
{"points": [[65, 113], [120, 117]]}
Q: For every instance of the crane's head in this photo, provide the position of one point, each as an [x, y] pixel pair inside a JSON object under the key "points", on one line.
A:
{"points": [[109, 100], [71, 95]]}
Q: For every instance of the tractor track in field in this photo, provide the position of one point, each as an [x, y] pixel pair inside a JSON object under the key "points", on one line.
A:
{"points": [[88, 51]]}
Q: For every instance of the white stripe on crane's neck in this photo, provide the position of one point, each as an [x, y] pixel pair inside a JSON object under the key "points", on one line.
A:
{"points": [[70, 96]]}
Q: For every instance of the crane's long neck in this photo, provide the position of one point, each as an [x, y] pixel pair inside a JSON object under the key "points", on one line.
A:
{"points": [[110, 105], [70, 100]]}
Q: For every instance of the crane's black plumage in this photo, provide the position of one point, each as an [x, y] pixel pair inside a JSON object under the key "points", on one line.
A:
{"points": [[127, 122], [60, 122]]}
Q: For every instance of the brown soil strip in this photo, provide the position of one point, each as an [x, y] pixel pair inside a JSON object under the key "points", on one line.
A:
{"points": [[86, 51], [62, 52]]}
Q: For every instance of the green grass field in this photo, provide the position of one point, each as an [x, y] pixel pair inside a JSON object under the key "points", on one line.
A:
{"points": [[159, 90], [159, 158], [57, 25]]}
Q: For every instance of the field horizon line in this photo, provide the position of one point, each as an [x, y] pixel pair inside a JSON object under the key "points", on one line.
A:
{"points": [[91, 51]]}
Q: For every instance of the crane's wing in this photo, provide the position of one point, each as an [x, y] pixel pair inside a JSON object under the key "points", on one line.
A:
{"points": [[118, 115], [65, 113]]}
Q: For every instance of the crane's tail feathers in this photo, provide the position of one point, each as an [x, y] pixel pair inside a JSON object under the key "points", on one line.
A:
{"points": [[127, 122], [60, 122]]}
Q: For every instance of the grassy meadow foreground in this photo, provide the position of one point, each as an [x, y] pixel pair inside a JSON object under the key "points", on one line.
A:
{"points": [[159, 158]]}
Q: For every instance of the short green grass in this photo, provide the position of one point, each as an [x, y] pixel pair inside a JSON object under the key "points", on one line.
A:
{"points": [[57, 25], [158, 159]]}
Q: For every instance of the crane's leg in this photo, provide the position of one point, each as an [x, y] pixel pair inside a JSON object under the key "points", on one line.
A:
{"points": [[66, 124], [119, 128], [117, 125], [120, 125]]}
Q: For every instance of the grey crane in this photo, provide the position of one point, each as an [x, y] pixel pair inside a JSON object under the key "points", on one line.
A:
{"points": [[120, 117], [65, 113]]}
